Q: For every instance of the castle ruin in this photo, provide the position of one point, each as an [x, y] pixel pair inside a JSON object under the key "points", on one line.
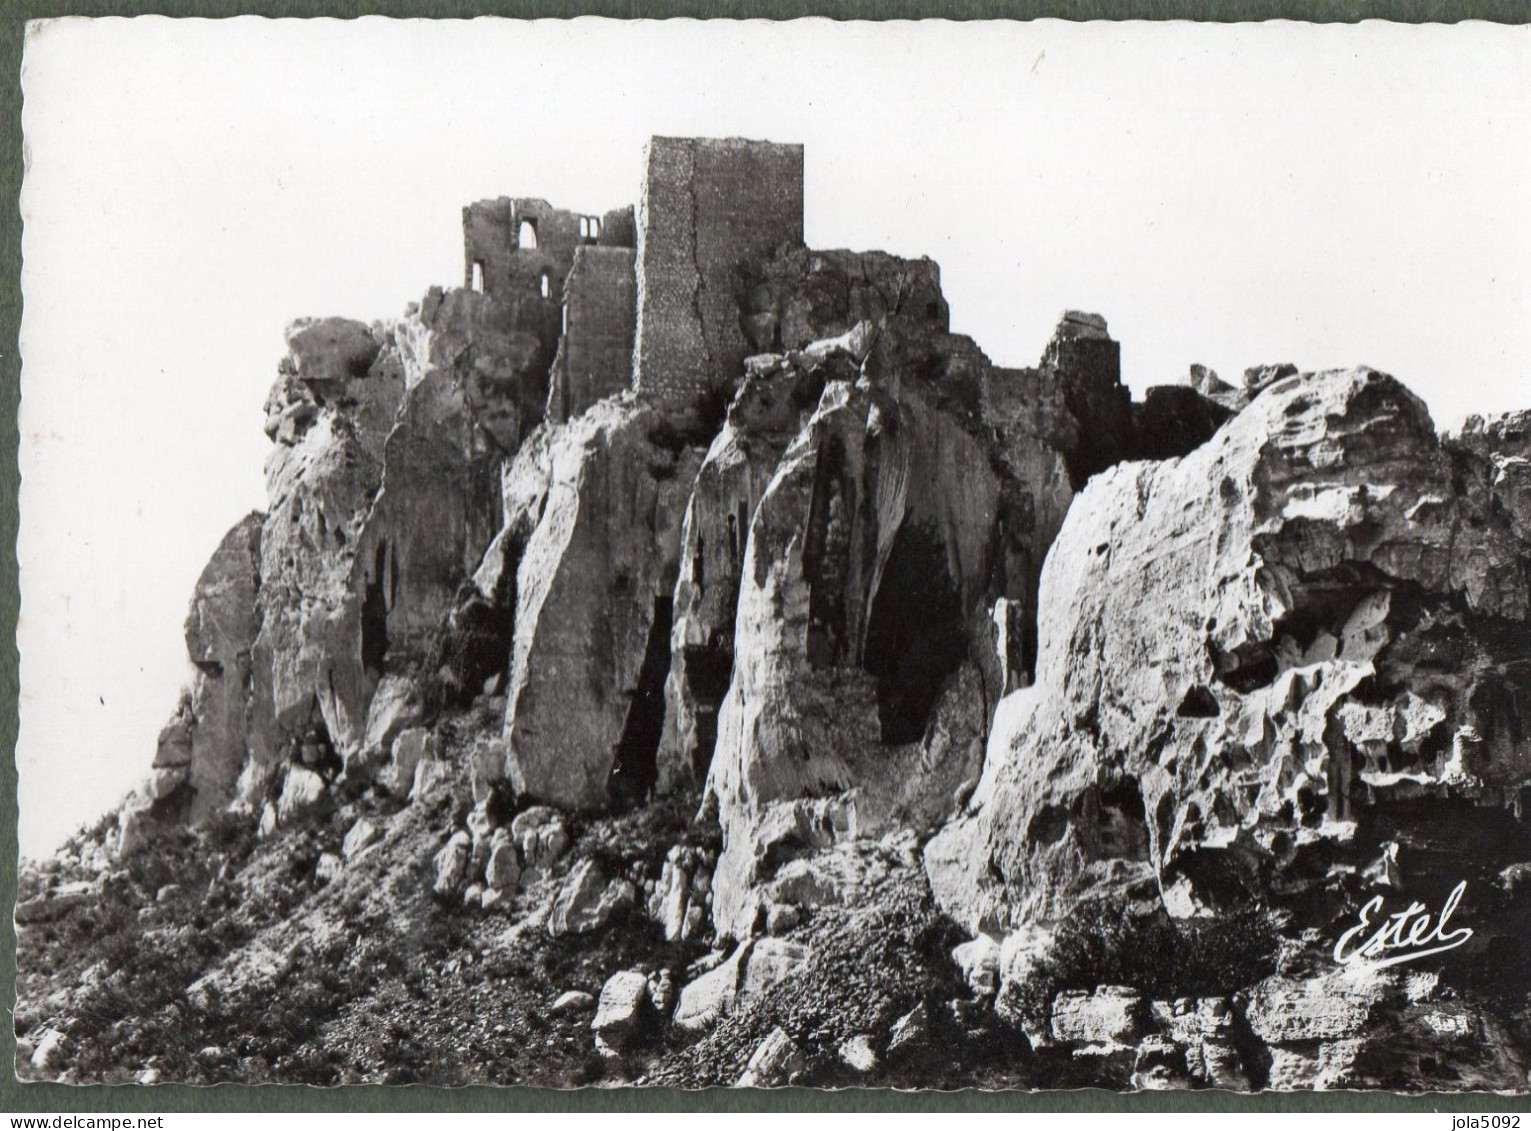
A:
{"points": [[647, 299]]}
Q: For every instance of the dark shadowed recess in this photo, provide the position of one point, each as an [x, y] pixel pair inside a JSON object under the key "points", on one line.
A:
{"points": [[635, 768], [915, 638]]}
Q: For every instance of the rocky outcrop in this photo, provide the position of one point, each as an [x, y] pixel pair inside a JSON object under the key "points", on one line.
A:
{"points": [[1495, 452], [777, 396], [329, 416], [384, 492], [1264, 667], [438, 504], [675, 609], [585, 701], [203, 749], [886, 589], [208, 739]]}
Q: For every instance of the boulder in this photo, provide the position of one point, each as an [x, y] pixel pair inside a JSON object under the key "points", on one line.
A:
{"points": [[978, 959], [359, 838], [1109, 1018], [163, 782], [775, 1061], [755, 968], [302, 789], [541, 835], [410, 749], [572, 1001], [329, 353], [859, 1054], [451, 865], [621, 1012], [503, 870], [48, 1053], [430, 775], [56, 903], [710, 997], [769, 963], [395, 708], [1160, 1065], [588, 901], [910, 1032], [1284, 1009]]}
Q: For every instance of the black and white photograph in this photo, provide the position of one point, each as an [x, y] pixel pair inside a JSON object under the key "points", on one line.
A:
{"points": [[711, 554]]}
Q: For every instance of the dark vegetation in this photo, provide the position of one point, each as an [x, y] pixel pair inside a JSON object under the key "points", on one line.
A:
{"points": [[1110, 943]]}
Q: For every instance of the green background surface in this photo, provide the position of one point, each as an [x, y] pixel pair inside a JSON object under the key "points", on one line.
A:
{"points": [[29, 1098]]}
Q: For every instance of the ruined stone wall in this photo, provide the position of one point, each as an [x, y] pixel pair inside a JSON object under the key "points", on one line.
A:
{"points": [[595, 357], [618, 228], [498, 261], [708, 206]]}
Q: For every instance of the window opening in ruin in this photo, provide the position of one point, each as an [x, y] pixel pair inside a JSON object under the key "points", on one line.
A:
{"points": [[477, 282], [584, 228], [636, 765], [595, 228], [526, 234], [545, 285]]}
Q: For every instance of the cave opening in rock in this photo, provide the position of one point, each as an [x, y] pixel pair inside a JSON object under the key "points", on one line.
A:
{"points": [[915, 638], [470, 652], [636, 766], [374, 615], [709, 668], [312, 747]]}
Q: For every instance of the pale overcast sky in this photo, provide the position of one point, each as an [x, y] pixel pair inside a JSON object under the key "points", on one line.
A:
{"points": [[1224, 195]]}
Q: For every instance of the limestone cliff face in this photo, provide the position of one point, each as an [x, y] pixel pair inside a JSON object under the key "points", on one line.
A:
{"points": [[1268, 670], [202, 749], [321, 476], [592, 610], [885, 597], [383, 492]]}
